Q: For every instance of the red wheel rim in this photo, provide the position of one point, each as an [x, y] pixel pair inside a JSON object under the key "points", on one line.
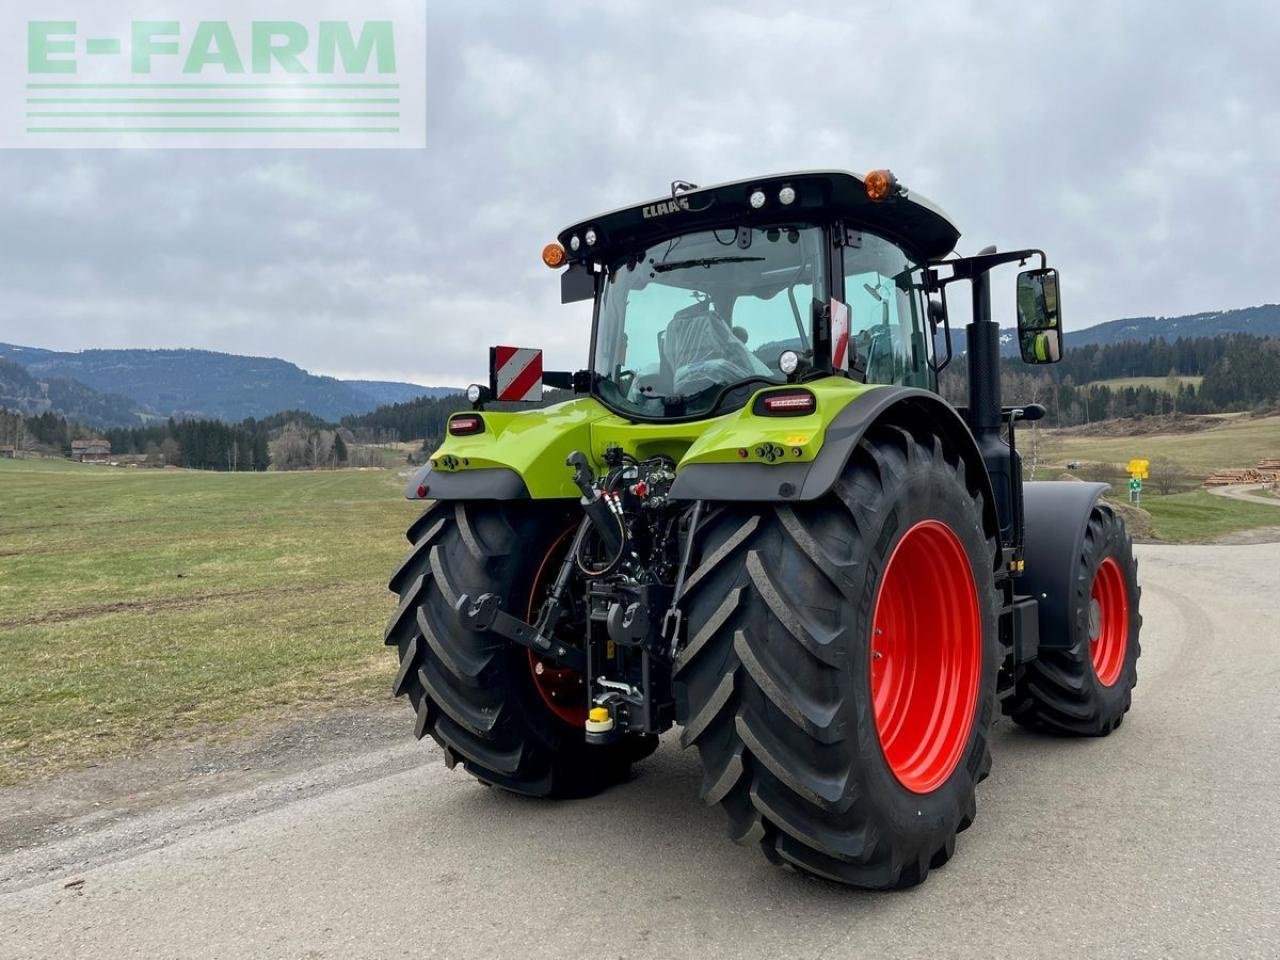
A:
{"points": [[926, 656], [561, 689], [1108, 621]]}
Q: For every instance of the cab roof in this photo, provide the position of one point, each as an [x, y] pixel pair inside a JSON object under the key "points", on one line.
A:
{"points": [[820, 196]]}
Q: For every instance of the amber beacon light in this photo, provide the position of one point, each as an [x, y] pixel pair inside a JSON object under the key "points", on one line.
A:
{"points": [[553, 255], [881, 185]]}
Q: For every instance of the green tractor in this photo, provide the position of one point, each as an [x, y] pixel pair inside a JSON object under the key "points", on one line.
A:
{"points": [[757, 520]]}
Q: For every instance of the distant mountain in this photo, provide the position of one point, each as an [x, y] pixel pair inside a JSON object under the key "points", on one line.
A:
{"points": [[1262, 321], [23, 393], [202, 383], [386, 392]]}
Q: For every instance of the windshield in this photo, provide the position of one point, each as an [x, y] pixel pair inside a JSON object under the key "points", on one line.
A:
{"points": [[697, 314]]}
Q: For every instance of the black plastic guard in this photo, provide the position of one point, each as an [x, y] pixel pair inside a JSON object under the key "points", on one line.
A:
{"points": [[809, 481], [1056, 516], [485, 483]]}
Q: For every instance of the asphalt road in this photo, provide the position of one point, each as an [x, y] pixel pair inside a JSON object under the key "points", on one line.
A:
{"points": [[1160, 841]]}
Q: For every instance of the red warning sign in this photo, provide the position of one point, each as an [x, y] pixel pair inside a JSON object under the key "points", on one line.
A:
{"points": [[517, 374], [839, 335]]}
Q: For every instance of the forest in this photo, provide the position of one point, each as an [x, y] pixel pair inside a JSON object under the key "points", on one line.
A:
{"points": [[1237, 372], [1240, 372]]}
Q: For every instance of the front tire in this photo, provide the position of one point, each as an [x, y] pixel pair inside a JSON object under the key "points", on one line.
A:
{"points": [[475, 693], [789, 693], [1082, 685]]}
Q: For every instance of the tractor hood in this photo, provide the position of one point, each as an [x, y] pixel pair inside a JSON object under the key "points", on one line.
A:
{"points": [[905, 217]]}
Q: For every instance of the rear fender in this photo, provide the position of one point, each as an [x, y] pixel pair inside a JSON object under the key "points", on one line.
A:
{"points": [[801, 480], [1057, 515], [516, 456]]}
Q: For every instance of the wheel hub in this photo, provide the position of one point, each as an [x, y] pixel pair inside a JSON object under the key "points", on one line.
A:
{"points": [[1109, 632], [926, 656]]}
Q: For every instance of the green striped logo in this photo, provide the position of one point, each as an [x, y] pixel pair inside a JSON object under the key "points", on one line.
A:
{"points": [[224, 78]]}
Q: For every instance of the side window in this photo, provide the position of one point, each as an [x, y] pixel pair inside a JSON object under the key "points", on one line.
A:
{"points": [[882, 288]]}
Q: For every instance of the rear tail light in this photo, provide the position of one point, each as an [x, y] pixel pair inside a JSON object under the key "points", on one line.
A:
{"points": [[785, 403], [464, 426]]}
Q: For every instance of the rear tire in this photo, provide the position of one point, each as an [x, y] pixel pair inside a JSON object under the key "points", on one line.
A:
{"points": [[777, 687], [1085, 689], [473, 692]]}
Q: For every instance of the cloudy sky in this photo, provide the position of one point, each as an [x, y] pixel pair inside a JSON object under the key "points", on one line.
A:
{"points": [[1137, 142]]}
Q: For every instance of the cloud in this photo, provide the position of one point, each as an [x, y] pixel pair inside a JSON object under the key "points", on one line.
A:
{"points": [[1134, 143]]}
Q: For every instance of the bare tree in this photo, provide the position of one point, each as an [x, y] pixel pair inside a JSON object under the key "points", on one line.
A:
{"points": [[1173, 383], [171, 450], [1166, 474], [289, 449]]}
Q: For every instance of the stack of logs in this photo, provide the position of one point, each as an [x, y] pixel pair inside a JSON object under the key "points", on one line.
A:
{"points": [[1267, 471]]}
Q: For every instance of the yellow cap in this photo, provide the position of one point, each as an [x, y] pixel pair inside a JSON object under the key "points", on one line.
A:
{"points": [[599, 714]]}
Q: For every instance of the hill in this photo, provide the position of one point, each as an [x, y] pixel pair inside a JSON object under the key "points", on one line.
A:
{"points": [[1261, 321], [1223, 442], [199, 383], [23, 393], [385, 392], [1163, 384]]}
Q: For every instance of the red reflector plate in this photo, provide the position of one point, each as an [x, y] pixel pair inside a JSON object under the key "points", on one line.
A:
{"points": [[516, 373]]}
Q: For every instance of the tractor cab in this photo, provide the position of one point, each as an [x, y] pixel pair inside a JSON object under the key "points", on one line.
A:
{"points": [[703, 298]]}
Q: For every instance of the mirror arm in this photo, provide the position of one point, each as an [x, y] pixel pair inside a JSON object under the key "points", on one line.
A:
{"points": [[934, 364], [967, 268]]}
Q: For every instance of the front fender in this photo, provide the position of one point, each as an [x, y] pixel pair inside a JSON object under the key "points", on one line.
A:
{"points": [[1057, 515]]}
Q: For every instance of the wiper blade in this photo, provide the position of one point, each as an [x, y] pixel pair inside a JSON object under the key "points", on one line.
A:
{"points": [[701, 262]]}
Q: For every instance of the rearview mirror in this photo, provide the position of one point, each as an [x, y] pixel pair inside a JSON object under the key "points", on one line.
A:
{"points": [[1039, 316]]}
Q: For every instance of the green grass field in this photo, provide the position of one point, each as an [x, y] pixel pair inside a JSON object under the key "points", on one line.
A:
{"points": [[1199, 516], [139, 605], [1235, 442], [1155, 383]]}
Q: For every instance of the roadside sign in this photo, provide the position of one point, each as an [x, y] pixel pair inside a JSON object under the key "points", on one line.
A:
{"points": [[1135, 485], [1138, 468]]}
